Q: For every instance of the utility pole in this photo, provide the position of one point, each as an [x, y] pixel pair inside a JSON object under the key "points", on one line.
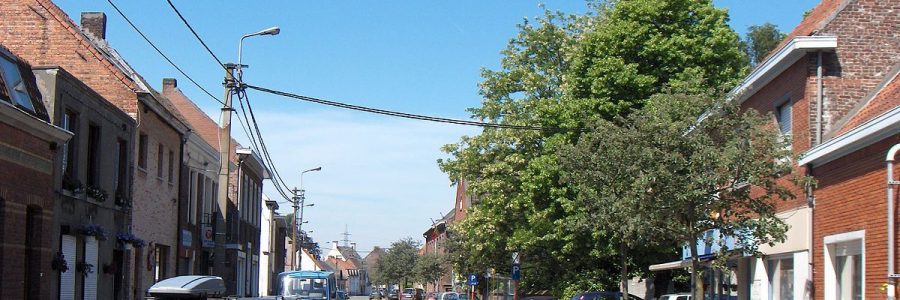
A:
{"points": [[295, 224], [225, 161]]}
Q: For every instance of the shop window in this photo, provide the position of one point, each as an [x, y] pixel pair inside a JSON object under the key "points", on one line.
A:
{"points": [[781, 279]]}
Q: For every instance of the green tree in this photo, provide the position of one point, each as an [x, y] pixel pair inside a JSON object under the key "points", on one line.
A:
{"points": [[761, 40], [566, 71], [430, 268], [683, 165], [397, 264]]}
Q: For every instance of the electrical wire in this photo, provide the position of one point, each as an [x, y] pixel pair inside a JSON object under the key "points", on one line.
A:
{"points": [[262, 143], [161, 53], [195, 34], [406, 115], [244, 125]]}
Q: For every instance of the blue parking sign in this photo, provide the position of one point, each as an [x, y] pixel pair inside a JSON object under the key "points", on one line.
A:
{"points": [[516, 272], [473, 280]]}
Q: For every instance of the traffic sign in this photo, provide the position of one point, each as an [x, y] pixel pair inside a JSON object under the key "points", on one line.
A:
{"points": [[516, 272], [473, 279]]}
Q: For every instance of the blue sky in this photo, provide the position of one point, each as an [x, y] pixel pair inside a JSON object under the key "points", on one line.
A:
{"points": [[379, 174]]}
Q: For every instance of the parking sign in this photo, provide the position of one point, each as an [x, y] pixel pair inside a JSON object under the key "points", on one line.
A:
{"points": [[473, 280]]}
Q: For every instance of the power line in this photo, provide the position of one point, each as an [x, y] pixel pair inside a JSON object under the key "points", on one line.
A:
{"points": [[263, 143], [407, 115], [195, 34], [161, 53]]}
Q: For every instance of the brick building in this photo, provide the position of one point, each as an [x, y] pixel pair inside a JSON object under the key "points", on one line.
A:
{"points": [[42, 33], [29, 144], [831, 88], [199, 184], [95, 171], [436, 236]]}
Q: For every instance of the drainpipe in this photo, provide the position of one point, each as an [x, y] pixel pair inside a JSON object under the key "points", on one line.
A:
{"points": [[892, 280], [819, 97]]}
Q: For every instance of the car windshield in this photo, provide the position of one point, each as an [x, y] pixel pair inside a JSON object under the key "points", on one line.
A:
{"points": [[307, 288], [408, 291]]}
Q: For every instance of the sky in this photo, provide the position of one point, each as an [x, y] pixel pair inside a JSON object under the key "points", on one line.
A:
{"points": [[379, 177]]}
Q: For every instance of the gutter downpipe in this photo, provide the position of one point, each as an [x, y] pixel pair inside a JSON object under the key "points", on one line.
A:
{"points": [[819, 104], [892, 281]]}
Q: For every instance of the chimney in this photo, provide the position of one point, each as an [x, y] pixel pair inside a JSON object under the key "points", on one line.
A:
{"points": [[334, 245], [169, 84], [95, 23], [353, 245]]}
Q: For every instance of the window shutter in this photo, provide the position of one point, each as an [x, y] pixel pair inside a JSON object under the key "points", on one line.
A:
{"points": [[90, 257], [784, 118], [67, 279]]}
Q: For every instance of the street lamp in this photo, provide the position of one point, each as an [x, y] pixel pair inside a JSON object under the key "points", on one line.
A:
{"points": [[225, 137], [268, 31], [299, 205]]}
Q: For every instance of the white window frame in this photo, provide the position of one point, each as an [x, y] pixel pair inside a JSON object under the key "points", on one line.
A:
{"points": [[830, 241]]}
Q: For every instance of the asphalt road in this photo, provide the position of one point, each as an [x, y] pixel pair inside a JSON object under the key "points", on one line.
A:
{"points": [[359, 297]]}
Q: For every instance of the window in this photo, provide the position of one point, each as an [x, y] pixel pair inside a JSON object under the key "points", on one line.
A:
{"points": [[93, 166], [845, 266], [159, 161], [15, 86], [781, 279], [783, 116], [161, 259], [142, 151], [70, 157], [171, 167], [121, 175]]}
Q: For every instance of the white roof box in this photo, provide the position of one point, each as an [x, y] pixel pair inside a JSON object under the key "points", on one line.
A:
{"points": [[189, 287]]}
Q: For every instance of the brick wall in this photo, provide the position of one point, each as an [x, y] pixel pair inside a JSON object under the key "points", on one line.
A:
{"points": [[851, 197], [868, 34], [155, 208], [22, 187]]}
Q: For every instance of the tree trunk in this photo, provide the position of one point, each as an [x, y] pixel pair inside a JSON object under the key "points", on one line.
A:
{"points": [[624, 260], [696, 278]]}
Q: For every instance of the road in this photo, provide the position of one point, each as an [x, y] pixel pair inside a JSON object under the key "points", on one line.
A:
{"points": [[359, 297]]}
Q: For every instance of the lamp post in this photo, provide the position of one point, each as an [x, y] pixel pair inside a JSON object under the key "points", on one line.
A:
{"points": [[299, 198], [231, 86]]}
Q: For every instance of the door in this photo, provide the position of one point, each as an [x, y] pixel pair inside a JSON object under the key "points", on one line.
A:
{"points": [[92, 268], [67, 278]]}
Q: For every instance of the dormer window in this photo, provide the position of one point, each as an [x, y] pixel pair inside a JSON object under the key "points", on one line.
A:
{"points": [[15, 87]]}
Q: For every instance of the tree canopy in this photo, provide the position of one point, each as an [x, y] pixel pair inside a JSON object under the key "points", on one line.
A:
{"points": [[565, 72], [398, 263], [761, 40]]}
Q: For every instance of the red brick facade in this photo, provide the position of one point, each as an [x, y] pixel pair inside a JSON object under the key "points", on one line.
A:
{"points": [[25, 189]]}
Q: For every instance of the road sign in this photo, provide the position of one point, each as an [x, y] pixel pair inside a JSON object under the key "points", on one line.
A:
{"points": [[473, 279], [516, 272], [515, 257]]}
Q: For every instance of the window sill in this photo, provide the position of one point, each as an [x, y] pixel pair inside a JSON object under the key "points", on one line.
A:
{"points": [[142, 170]]}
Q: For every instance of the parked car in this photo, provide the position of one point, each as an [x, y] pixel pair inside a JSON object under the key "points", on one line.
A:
{"points": [[392, 295], [341, 295], [679, 296], [376, 295], [448, 296], [414, 294], [603, 296]]}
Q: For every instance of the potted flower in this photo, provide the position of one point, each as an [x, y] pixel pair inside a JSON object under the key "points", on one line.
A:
{"points": [[121, 198], [59, 263], [127, 239], [84, 268], [95, 230], [97, 193], [72, 185]]}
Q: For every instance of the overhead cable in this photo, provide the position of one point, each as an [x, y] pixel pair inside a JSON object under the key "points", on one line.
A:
{"points": [[195, 34], [405, 115]]}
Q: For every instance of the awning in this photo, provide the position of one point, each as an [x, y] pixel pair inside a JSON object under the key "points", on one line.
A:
{"points": [[678, 264]]}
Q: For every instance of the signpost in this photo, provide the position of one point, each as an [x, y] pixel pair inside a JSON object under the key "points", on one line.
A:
{"points": [[473, 281], [516, 274]]}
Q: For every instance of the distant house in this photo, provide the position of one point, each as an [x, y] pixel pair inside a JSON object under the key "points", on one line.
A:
{"points": [[348, 268]]}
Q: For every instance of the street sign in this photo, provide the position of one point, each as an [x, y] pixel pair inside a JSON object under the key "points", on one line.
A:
{"points": [[473, 280], [515, 257], [516, 272]]}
